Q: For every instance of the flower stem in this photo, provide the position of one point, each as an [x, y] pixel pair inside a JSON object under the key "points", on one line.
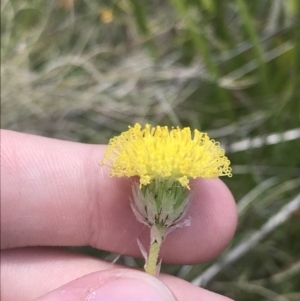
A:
{"points": [[150, 266], [156, 235]]}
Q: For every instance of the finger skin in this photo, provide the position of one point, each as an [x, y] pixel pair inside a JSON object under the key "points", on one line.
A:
{"points": [[54, 193], [29, 273]]}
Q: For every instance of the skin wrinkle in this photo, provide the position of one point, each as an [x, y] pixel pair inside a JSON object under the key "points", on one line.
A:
{"points": [[95, 219], [77, 172], [56, 194], [10, 158]]}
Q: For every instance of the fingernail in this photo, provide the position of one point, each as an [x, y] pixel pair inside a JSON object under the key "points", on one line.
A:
{"points": [[124, 289]]}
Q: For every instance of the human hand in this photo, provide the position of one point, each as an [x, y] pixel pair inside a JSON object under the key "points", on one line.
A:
{"points": [[53, 193]]}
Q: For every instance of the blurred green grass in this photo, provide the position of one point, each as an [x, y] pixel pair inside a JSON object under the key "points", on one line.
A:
{"points": [[230, 68]]}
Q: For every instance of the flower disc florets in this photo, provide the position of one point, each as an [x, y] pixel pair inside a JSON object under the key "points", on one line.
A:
{"points": [[159, 153]]}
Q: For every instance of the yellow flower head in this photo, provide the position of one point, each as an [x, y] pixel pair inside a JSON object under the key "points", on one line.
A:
{"points": [[157, 153], [106, 15], [165, 161]]}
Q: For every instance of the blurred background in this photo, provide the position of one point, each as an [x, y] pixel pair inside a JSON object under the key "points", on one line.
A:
{"points": [[83, 70]]}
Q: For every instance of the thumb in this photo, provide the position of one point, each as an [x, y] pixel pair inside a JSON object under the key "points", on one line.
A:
{"points": [[112, 285]]}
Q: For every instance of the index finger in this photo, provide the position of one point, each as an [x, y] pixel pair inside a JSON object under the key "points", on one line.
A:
{"points": [[55, 194]]}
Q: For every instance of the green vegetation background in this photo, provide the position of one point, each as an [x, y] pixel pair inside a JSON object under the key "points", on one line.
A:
{"points": [[83, 70]]}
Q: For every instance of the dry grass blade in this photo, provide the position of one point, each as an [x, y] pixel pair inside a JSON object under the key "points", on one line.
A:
{"points": [[248, 243]]}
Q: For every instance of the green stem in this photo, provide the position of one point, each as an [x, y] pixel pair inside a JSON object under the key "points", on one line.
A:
{"points": [[156, 236], [150, 267]]}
